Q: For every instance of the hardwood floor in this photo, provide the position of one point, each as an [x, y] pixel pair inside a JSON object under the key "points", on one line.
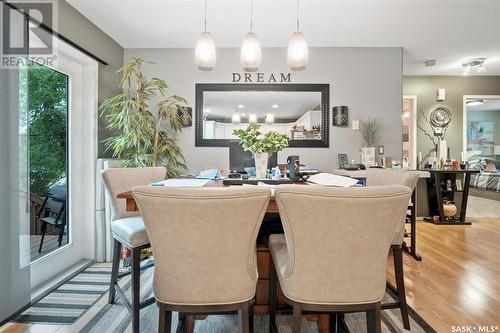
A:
{"points": [[458, 280], [456, 283]]}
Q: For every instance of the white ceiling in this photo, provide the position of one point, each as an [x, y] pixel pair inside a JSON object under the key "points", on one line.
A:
{"points": [[489, 105], [449, 31], [290, 105]]}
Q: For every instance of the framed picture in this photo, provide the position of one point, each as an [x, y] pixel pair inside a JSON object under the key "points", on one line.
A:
{"points": [[481, 136], [343, 161]]}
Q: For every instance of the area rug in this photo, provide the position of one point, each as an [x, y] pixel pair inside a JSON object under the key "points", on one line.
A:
{"points": [[80, 304]]}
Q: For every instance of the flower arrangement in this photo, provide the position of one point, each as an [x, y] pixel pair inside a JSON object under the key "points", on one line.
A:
{"points": [[251, 139]]}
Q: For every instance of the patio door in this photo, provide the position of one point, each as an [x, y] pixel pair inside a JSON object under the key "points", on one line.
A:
{"points": [[62, 170]]}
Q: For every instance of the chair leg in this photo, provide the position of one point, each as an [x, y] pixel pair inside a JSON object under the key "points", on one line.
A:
{"points": [[165, 322], [397, 254], [297, 318], [60, 238], [244, 318], [189, 321], [373, 320], [272, 297], [250, 315], [135, 288], [117, 246], [44, 230]]}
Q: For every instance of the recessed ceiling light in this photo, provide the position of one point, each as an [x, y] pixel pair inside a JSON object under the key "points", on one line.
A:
{"points": [[242, 114], [475, 102], [240, 106], [275, 106]]}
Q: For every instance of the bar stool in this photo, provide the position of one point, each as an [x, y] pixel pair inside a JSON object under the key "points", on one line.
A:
{"points": [[377, 177], [333, 255], [204, 242], [128, 230]]}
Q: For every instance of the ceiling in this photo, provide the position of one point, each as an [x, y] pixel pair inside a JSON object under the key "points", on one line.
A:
{"points": [[288, 105], [489, 105], [449, 31]]}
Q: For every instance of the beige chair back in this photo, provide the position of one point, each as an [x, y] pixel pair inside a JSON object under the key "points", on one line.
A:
{"points": [[204, 241], [338, 240], [375, 177], [119, 180]]}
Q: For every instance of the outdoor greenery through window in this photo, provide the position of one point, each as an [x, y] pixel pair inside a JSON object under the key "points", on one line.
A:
{"points": [[46, 92]]}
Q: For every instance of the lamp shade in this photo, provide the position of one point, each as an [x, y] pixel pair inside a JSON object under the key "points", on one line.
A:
{"points": [[251, 55], [270, 118], [236, 118], [298, 52], [252, 118], [205, 57]]}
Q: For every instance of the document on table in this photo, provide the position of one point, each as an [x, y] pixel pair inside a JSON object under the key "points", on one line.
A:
{"points": [[327, 179], [183, 182]]}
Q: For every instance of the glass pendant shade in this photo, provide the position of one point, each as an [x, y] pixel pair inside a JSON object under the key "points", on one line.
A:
{"points": [[252, 118], [298, 52], [236, 118], [270, 118], [251, 56], [205, 57]]}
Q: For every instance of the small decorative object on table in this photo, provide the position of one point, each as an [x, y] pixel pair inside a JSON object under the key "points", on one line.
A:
{"points": [[370, 132], [261, 145], [340, 115], [449, 208]]}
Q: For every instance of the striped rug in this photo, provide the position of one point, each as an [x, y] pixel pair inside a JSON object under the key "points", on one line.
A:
{"points": [[69, 305], [70, 301]]}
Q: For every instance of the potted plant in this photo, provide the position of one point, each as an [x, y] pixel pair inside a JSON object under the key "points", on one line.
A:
{"points": [[145, 130], [370, 133], [261, 145]]}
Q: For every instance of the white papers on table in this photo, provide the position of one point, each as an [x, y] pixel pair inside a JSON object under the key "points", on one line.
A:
{"points": [[327, 179], [183, 182]]}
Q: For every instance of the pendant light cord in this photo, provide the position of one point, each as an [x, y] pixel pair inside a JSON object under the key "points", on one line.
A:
{"points": [[205, 24], [298, 29], [251, 15]]}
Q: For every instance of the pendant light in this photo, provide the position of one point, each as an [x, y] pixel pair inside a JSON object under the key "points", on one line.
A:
{"points": [[252, 118], [236, 119], [298, 52], [251, 56], [270, 118], [205, 57]]}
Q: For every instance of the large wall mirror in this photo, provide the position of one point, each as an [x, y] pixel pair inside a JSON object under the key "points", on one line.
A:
{"points": [[298, 110]]}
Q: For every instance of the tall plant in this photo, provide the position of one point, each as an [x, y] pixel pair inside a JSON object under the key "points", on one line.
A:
{"points": [[146, 130], [370, 132]]}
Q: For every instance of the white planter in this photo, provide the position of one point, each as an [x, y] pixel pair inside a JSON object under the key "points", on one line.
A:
{"points": [[367, 156], [261, 165]]}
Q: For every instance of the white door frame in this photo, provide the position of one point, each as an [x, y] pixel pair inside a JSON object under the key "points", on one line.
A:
{"points": [[82, 142], [464, 116], [413, 130]]}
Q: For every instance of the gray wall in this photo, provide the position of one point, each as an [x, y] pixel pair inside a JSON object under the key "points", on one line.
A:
{"points": [[83, 32], [368, 80], [424, 87]]}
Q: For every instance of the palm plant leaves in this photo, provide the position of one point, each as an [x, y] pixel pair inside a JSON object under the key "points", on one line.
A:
{"points": [[145, 137]]}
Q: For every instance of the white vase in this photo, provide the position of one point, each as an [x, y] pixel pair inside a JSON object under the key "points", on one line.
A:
{"points": [[261, 165], [367, 156]]}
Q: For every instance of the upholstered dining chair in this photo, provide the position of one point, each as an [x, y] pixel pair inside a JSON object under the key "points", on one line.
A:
{"points": [[333, 254], [376, 177], [204, 243], [128, 230]]}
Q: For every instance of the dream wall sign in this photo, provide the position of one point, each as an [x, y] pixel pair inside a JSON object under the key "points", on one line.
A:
{"points": [[262, 77]]}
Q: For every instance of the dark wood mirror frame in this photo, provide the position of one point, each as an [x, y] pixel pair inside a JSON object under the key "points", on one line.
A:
{"points": [[324, 89]]}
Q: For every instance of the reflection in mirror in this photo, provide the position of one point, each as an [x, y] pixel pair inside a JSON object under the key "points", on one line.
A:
{"points": [[297, 113]]}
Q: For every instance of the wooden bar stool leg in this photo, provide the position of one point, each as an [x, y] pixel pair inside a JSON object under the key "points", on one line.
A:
{"points": [[117, 246], [297, 318], [400, 285], [244, 318], [273, 285], [373, 320], [135, 288]]}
